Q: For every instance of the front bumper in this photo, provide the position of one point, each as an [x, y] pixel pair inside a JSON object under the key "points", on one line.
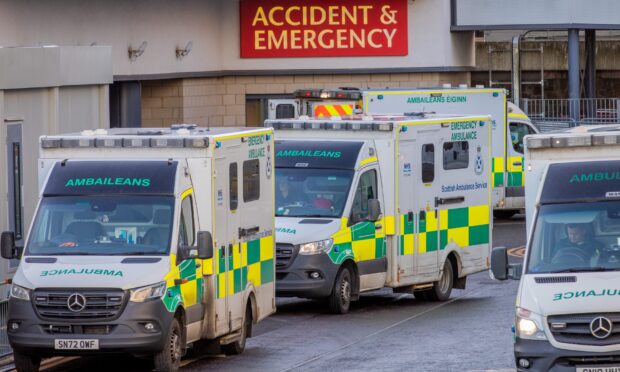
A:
{"points": [[124, 334], [294, 279], [545, 357]]}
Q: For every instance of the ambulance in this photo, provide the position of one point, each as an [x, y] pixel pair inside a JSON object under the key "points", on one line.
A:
{"points": [[567, 308], [145, 241], [365, 202], [510, 124]]}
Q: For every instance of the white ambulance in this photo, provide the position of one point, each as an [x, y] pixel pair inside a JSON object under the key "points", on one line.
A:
{"points": [[145, 241], [510, 124], [568, 303], [368, 202]]}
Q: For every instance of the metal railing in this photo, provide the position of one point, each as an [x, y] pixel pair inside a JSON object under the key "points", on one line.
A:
{"points": [[5, 348], [573, 111]]}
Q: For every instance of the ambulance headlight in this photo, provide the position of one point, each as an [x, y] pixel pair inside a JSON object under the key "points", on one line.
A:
{"points": [[147, 293], [316, 247], [529, 325], [20, 293]]}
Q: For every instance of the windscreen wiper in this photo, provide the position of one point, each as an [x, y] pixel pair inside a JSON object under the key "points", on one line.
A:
{"points": [[587, 269]]}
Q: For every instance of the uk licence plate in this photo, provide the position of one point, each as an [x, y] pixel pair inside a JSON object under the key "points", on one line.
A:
{"points": [[81, 344], [606, 368]]}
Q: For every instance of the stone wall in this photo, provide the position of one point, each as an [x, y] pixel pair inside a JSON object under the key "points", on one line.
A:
{"points": [[220, 101]]}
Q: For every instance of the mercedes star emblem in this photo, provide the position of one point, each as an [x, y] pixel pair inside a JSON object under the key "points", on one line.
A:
{"points": [[601, 327], [76, 302]]}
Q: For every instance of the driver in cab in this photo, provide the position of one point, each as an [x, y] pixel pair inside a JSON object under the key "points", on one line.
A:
{"points": [[578, 246], [287, 197]]}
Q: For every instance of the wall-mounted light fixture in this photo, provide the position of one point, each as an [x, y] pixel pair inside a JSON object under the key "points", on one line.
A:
{"points": [[182, 52], [135, 53]]}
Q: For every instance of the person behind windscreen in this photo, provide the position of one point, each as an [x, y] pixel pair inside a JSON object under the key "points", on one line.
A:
{"points": [[578, 246]]}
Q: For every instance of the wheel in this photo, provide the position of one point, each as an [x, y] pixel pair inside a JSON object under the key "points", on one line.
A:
{"points": [[26, 363], [169, 358], [340, 299], [504, 214], [443, 287], [237, 347]]}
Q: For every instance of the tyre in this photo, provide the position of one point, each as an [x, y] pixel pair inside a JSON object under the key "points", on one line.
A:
{"points": [[26, 363], [169, 358], [504, 214], [340, 299], [443, 287], [237, 347]]}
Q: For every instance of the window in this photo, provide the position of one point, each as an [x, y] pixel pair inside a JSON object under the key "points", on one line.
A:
{"points": [[455, 155], [186, 229], [17, 193], [366, 189], [285, 111], [517, 132], [428, 163], [233, 186], [251, 180]]}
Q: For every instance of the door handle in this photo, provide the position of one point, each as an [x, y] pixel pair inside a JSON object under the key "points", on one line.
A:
{"points": [[453, 200], [517, 164], [378, 227], [243, 232]]}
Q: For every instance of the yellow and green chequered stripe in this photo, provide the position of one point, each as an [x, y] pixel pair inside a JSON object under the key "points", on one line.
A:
{"points": [[515, 172], [498, 169], [361, 242], [252, 263], [514, 176], [406, 237], [190, 290], [464, 226]]}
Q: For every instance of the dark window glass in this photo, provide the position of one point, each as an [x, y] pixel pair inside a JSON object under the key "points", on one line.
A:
{"points": [[428, 163], [366, 189], [17, 191], [517, 132], [251, 180], [285, 111], [233, 186], [455, 155], [186, 229]]}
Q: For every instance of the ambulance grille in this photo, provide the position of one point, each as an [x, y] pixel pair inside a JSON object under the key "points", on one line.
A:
{"points": [[285, 254], [555, 279], [99, 304], [575, 329]]}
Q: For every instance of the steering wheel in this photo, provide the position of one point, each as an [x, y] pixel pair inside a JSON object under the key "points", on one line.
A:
{"points": [[570, 255]]}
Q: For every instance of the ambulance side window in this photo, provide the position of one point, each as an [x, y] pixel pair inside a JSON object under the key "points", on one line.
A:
{"points": [[251, 180], [455, 155], [428, 163], [517, 132], [186, 228], [366, 189], [233, 186]]}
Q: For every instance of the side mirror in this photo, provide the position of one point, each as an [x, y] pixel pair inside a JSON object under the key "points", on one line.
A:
{"points": [[374, 210], [7, 245], [499, 263], [205, 245]]}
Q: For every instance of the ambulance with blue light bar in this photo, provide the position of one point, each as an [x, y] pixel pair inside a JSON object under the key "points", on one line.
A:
{"points": [[145, 241], [510, 124], [365, 202], [568, 302]]}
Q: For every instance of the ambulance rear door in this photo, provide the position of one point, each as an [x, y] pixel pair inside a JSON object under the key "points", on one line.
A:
{"points": [[283, 109], [425, 183]]}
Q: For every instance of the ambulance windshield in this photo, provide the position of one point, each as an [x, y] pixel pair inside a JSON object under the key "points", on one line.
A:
{"points": [[102, 225], [576, 237], [308, 192]]}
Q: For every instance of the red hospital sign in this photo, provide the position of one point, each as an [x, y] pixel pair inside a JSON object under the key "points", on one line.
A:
{"points": [[323, 28]]}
